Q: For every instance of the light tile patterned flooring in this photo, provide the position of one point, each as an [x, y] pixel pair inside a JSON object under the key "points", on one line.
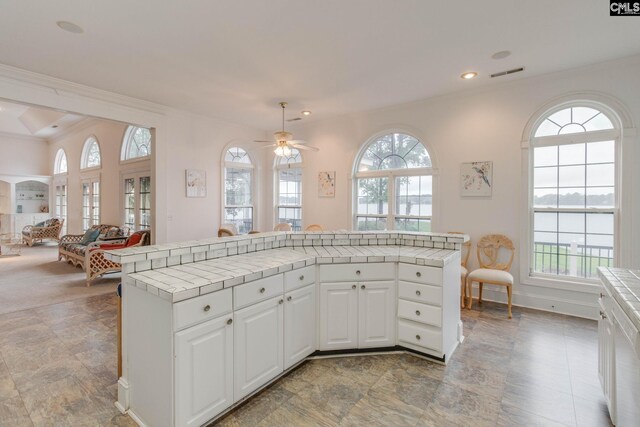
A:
{"points": [[57, 367]]}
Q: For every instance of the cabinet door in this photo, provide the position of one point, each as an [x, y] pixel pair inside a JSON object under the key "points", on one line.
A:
{"points": [[204, 371], [299, 325], [258, 345], [338, 316], [377, 314], [606, 360]]}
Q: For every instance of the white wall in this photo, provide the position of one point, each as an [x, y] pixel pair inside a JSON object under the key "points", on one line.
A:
{"points": [[23, 155], [485, 124]]}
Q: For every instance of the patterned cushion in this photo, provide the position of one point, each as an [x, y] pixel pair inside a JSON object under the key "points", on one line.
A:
{"points": [[114, 232], [90, 236], [76, 248]]}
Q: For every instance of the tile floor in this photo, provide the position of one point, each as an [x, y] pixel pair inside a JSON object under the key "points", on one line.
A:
{"points": [[57, 367]]}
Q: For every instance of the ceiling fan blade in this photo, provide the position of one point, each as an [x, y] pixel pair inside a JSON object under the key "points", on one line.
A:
{"points": [[303, 147], [259, 140], [269, 146], [298, 141]]}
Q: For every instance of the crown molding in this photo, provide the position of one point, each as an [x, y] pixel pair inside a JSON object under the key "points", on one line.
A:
{"points": [[22, 137], [69, 89]]}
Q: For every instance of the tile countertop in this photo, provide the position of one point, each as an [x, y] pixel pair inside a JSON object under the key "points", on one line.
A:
{"points": [[181, 282], [624, 286]]}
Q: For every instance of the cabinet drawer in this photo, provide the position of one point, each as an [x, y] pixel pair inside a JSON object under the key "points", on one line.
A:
{"points": [[357, 272], [420, 274], [422, 313], [197, 310], [298, 278], [427, 294], [256, 291], [421, 335]]}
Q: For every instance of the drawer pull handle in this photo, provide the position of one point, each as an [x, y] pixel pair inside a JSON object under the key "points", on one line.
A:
{"points": [[417, 312], [289, 298], [602, 295], [230, 321], [363, 287], [418, 274], [207, 307], [418, 337], [602, 315], [302, 277], [418, 293], [262, 290], [281, 301], [353, 286], [358, 272]]}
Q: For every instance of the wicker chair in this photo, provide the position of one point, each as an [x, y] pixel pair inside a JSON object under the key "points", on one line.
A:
{"points": [[97, 265], [283, 226], [50, 230], [74, 253], [314, 227]]}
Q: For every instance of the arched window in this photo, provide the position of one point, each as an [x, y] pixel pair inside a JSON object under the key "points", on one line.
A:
{"points": [[238, 189], [288, 189], [90, 153], [573, 191], [136, 143], [393, 185], [60, 165]]}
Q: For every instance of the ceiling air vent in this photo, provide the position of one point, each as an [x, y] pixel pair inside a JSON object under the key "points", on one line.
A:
{"points": [[505, 73], [295, 119]]}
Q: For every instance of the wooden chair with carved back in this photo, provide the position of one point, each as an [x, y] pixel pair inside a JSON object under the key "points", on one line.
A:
{"points": [[492, 271]]}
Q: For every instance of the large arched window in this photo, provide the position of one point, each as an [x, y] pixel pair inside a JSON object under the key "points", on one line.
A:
{"points": [[238, 189], [288, 189], [136, 143], [90, 154], [572, 191], [393, 185], [60, 164]]}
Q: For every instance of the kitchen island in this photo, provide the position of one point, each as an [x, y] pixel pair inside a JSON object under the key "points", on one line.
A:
{"points": [[207, 324]]}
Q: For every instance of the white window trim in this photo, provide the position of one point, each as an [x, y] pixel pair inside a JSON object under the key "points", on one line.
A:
{"points": [[615, 113], [276, 185], [85, 153], [236, 165], [136, 175], [90, 179], [391, 174], [124, 147], [56, 163]]}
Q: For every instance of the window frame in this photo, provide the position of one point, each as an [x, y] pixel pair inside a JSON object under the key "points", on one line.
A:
{"points": [[126, 142], [91, 139], [136, 177], [92, 220], [61, 210], [278, 167], [391, 175], [60, 154], [251, 166], [557, 281]]}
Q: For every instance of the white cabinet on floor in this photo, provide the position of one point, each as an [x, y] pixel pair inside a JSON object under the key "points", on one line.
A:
{"points": [[338, 316], [258, 345], [606, 356], [299, 325], [376, 314], [204, 371]]}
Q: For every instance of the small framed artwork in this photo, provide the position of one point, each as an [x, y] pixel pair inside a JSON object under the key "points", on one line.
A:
{"points": [[327, 184], [196, 183], [476, 179]]}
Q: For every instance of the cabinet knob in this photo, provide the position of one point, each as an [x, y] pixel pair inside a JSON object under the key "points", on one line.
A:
{"points": [[417, 312], [362, 287], [289, 298], [353, 286], [230, 321], [418, 337], [602, 315], [262, 290], [207, 307], [418, 274], [358, 272], [602, 295], [281, 301], [302, 277], [418, 293]]}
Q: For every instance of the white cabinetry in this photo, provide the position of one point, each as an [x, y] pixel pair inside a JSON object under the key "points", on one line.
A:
{"points": [[204, 371], [377, 314], [338, 316], [299, 325], [606, 355], [258, 346]]}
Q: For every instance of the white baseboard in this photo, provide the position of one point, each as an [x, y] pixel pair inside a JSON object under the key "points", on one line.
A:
{"points": [[135, 418], [123, 395], [541, 302]]}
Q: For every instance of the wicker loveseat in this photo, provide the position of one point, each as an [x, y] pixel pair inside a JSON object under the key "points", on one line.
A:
{"points": [[73, 251], [96, 264], [47, 230]]}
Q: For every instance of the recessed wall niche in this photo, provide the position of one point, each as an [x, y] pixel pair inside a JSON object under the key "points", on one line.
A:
{"points": [[32, 197]]}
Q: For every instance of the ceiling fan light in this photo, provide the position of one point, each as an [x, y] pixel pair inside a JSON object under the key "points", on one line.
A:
{"points": [[283, 136], [282, 151]]}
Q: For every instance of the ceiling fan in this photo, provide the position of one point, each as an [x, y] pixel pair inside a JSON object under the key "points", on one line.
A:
{"points": [[284, 141]]}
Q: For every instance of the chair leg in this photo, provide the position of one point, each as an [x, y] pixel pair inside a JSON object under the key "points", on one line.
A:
{"points": [[463, 292], [509, 292], [480, 292], [469, 292]]}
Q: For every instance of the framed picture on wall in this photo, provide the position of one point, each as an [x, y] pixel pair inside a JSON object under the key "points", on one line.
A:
{"points": [[327, 184], [196, 183], [476, 179]]}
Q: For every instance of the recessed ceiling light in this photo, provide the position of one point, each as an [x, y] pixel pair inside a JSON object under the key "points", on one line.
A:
{"points": [[468, 75], [70, 27], [306, 113], [501, 55]]}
